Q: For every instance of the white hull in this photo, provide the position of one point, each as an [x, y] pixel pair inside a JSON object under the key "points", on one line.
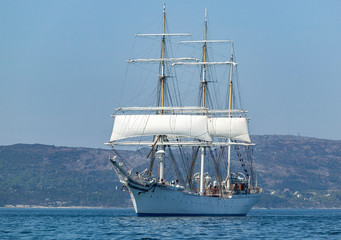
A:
{"points": [[167, 200], [156, 199]]}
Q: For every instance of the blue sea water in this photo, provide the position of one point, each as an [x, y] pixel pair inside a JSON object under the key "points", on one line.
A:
{"points": [[124, 224]]}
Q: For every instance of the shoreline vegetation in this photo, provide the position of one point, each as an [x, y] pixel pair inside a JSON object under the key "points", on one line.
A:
{"points": [[295, 173]]}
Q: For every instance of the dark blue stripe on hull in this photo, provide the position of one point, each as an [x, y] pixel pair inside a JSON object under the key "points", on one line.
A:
{"points": [[187, 215]]}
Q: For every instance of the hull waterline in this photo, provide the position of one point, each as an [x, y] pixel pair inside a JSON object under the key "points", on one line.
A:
{"points": [[157, 199]]}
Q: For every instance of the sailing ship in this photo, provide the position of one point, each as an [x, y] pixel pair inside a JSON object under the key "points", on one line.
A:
{"points": [[170, 132]]}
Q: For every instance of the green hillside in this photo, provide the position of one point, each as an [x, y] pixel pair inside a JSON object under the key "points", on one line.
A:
{"points": [[58, 176], [294, 172]]}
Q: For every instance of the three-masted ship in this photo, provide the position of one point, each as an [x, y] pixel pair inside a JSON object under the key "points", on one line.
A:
{"points": [[204, 133]]}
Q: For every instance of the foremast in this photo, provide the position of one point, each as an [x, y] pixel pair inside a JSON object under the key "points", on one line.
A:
{"points": [[162, 80]]}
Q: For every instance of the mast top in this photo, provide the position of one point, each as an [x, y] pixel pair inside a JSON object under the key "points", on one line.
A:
{"points": [[232, 50]]}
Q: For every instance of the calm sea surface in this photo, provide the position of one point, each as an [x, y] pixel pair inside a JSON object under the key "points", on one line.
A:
{"points": [[123, 224]]}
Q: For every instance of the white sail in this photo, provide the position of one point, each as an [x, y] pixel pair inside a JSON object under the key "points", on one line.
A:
{"points": [[226, 127], [127, 126]]}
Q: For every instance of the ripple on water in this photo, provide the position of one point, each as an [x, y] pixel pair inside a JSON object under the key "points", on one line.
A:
{"points": [[123, 224]]}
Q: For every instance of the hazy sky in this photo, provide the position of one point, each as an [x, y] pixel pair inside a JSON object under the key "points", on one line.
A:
{"points": [[63, 63]]}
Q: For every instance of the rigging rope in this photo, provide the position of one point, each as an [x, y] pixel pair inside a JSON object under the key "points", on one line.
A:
{"points": [[189, 177], [241, 160], [122, 159], [216, 165], [175, 166], [151, 164], [184, 159]]}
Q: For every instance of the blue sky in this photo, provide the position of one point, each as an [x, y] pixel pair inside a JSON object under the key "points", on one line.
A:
{"points": [[63, 63]]}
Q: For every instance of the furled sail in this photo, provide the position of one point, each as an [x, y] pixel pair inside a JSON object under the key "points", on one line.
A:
{"points": [[226, 127], [192, 126]]}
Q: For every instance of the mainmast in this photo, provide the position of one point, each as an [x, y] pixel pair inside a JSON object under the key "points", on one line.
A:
{"points": [[162, 74], [204, 64], [228, 175], [204, 83]]}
